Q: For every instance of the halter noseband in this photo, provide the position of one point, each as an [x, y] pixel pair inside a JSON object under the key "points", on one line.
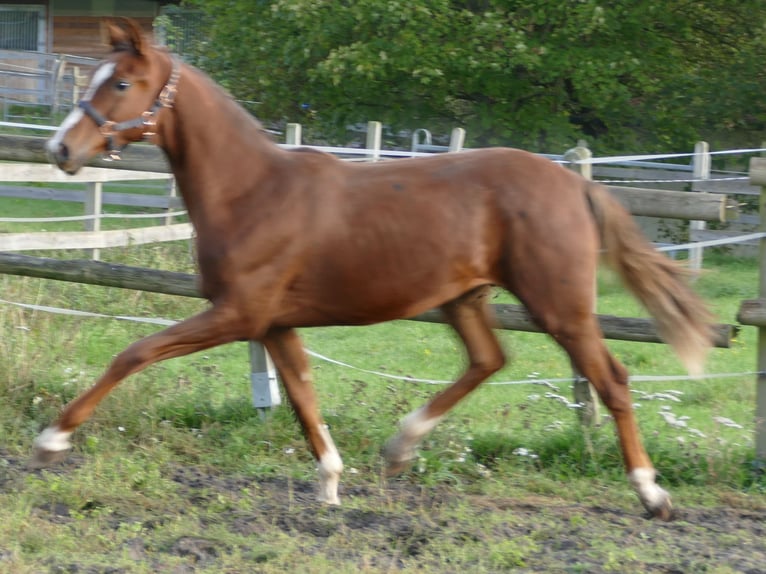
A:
{"points": [[147, 120]]}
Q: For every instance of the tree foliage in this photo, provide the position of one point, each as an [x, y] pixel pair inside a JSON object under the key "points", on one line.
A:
{"points": [[531, 73]]}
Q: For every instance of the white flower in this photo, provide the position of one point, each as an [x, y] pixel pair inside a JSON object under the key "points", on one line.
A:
{"points": [[727, 422]]}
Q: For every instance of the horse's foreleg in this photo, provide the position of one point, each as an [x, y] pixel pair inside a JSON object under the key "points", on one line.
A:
{"points": [[208, 329], [468, 316], [287, 352]]}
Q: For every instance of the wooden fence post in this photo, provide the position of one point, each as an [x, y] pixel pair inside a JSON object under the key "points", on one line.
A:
{"points": [[93, 204], [374, 139], [701, 170], [583, 391], [758, 177]]}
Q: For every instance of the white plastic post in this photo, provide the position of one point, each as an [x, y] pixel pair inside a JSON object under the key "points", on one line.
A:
{"points": [[701, 171], [374, 139], [172, 194], [457, 139], [293, 134], [92, 206], [263, 378]]}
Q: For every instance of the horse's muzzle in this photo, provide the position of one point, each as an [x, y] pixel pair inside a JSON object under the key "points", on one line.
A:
{"points": [[58, 153]]}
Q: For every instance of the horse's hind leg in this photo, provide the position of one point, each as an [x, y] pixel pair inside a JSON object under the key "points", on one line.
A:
{"points": [[288, 355], [579, 334], [208, 329], [468, 315]]}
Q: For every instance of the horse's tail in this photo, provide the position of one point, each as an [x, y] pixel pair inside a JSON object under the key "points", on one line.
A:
{"points": [[681, 317]]}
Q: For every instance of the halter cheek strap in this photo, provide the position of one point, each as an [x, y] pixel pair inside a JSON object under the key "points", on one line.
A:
{"points": [[147, 120]]}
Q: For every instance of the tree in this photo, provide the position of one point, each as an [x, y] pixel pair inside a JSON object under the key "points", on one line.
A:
{"points": [[531, 73]]}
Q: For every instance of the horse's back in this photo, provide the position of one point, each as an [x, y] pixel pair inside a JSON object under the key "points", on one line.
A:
{"points": [[396, 238]]}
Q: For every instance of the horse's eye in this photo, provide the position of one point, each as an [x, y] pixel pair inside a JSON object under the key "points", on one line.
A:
{"points": [[122, 85]]}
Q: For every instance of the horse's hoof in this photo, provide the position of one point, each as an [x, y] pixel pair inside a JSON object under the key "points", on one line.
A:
{"points": [[328, 500], [396, 461], [663, 511], [394, 468], [42, 458], [655, 499]]}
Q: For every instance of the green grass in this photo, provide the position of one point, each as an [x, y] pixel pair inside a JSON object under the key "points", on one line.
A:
{"points": [[194, 412]]}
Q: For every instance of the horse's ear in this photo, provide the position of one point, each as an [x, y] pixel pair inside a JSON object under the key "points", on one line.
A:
{"points": [[124, 34]]}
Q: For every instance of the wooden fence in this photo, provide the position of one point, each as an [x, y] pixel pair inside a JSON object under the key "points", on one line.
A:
{"points": [[698, 176], [93, 198]]}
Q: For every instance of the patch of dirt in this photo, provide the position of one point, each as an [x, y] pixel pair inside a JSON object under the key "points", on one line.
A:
{"points": [[701, 540], [537, 534]]}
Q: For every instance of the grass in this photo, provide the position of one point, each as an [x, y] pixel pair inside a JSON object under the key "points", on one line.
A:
{"points": [[119, 504]]}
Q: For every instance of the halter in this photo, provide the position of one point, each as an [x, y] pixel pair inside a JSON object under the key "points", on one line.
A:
{"points": [[147, 120]]}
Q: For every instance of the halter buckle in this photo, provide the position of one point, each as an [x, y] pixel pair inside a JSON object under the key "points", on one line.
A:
{"points": [[107, 128], [168, 95], [149, 122], [112, 155]]}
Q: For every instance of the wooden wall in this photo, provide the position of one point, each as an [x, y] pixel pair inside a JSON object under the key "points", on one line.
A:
{"points": [[81, 35]]}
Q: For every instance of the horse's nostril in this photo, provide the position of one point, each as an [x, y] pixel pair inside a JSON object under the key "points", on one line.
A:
{"points": [[62, 153], [58, 152]]}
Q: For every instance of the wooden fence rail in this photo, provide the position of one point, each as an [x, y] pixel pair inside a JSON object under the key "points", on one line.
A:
{"points": [[510, 317], [93, 198]]}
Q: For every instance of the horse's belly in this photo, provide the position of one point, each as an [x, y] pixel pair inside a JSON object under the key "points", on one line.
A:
{"points": [[363, 300]]}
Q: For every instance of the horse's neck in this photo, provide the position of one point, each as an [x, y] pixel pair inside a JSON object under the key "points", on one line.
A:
{"points": [[213, 146]]}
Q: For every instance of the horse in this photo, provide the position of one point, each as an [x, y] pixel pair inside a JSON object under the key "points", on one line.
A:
{"points": [[292, 238]]}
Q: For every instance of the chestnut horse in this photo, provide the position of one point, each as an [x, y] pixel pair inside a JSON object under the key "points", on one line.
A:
{"points": [[299, 238]]}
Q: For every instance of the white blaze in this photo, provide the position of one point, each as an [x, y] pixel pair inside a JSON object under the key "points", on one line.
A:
{"points": [[102, 74]]}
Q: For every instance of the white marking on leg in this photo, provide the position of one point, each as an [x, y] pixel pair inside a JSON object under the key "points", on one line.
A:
{"points": [[53, 440], [330, 467], [413, 428], [417, 425], [101, 75], [650, 494]]}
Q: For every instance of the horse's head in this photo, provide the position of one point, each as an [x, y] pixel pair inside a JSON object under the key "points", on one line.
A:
{"points": [[126, 93]]}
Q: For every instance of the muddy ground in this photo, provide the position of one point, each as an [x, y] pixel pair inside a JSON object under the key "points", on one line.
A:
{"points": [[561, 536]]}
